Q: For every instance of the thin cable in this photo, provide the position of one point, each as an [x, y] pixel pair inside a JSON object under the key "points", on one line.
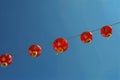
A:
{"points": [[110, 25], [74, 36], [115, 23], [22, 51], [71, 37], [95, 30], [46, 44]]}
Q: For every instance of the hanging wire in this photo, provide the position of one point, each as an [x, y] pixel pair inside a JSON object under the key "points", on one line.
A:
{"points": [[115, 23], [46, 44], [74, 36], [22, 51], [70, 37]]}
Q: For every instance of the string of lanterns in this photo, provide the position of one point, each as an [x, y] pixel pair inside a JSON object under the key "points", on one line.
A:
{"points": [[60, 45]]}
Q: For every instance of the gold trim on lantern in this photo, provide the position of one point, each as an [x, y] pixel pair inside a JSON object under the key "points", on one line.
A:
{"points": [[4, 64], [108, 35], [88, 40], [60, 50], [34, 53]]}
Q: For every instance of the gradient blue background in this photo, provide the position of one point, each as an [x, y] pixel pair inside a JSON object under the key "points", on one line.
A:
{"points": [[25, 22]]}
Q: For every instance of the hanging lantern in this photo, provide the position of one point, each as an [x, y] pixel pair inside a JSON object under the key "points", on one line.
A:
{"points": [[86, 37], [35, 50], [106, 31], [60, 45], [5, 60]]}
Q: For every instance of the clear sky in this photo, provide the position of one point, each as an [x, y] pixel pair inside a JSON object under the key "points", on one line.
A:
{"points": [[25, 22]]}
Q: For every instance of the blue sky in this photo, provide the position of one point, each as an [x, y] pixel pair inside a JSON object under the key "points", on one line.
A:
{"points": [[25, 22]]}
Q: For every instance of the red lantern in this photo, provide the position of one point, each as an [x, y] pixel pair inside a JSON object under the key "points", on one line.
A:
{"points": [[60, 45], [35, 50], [5, 60], [86, 37], [106, 31]]}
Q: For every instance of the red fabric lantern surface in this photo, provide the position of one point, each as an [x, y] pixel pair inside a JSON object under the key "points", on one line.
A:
{"points": [[106, 31], [35, 50], [86, 37], [60, 45], [5, 60]]}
